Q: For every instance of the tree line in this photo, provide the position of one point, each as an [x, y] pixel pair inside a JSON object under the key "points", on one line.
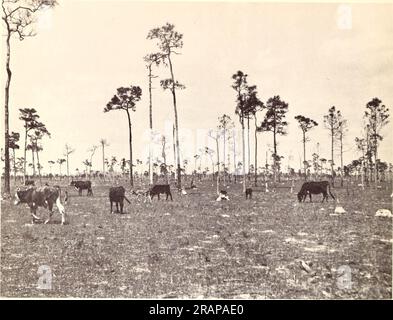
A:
{"points": [[269, 117]]}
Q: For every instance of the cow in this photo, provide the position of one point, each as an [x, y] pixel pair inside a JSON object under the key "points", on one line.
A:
{"points": [[248, 193], [82, 185], [160, 188], [314, 187], [117, 196], [29, 183], [44, 197]]}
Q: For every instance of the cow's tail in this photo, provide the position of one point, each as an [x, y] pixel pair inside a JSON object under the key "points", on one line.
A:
{"points": [[127, 200], [65, 197], [58, 201], [330, 192], [60, 206]]}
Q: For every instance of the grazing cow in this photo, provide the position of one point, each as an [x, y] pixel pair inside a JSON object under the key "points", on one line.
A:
{"points": [[160, 188], [314, 187], [29, 183], [44, 197], [117, 195], [82, 185], [248, 193]]}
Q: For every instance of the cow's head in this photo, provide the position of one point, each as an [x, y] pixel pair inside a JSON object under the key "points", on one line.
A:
{"points": [[72, 183], [300, 197]]}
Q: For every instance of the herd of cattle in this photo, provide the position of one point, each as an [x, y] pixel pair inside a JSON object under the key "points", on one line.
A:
{"points": [[47, 196]]}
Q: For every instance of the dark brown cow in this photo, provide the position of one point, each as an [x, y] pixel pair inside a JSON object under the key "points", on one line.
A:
{"points": [[44, 197], [160, 188], [248, 193], [82, 185], [314, 187], [117, 196]]}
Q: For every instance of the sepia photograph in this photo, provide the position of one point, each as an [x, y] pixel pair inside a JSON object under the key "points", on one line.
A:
{"points": [[196, 150]]}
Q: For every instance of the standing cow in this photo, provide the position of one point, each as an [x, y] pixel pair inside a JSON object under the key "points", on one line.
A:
{"points": [[82, 185], [44, 197], [314, 187], [158, 189], [117, 196]]}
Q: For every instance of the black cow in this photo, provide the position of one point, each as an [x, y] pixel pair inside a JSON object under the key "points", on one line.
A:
{"points": [[44, 197], [29, 183], [117, 195], [314, 187], [160, 188], [82, 185], [248, 193]]}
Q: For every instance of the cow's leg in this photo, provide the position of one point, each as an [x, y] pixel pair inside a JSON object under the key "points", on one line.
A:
{"points": [[50, 213], [310, 196], [117, 207], [33, 210], [111, 207], [158, 195], [33, 216], [61, 210], [170, 193], [80, 191], [121, 206]]}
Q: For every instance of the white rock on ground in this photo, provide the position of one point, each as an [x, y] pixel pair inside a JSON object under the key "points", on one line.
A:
{"points": [[339, 210], [383, 213]]}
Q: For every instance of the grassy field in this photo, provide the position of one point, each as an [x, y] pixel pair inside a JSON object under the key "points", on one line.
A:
{"points": [[195, 247]]}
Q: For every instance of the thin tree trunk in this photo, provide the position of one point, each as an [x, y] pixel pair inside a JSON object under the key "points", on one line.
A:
{"points": [[151, 128], [164, 157], [234, 155], [218, 166], [256, 153], [248, 147], [212, 168], [13, 151], [341, 160], [304, 155], [331, 164], [224, 159], [68, 168], [32, 153], [130, 145], [103, 160], [275, 148], [274, 157], [25, 154], [176, 124], [38, 166], [174, 149], [244, 157], [7, 189], [376, 168]]}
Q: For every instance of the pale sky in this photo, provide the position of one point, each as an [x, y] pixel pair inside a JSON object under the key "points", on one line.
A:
{"points": [[312, 55]]}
